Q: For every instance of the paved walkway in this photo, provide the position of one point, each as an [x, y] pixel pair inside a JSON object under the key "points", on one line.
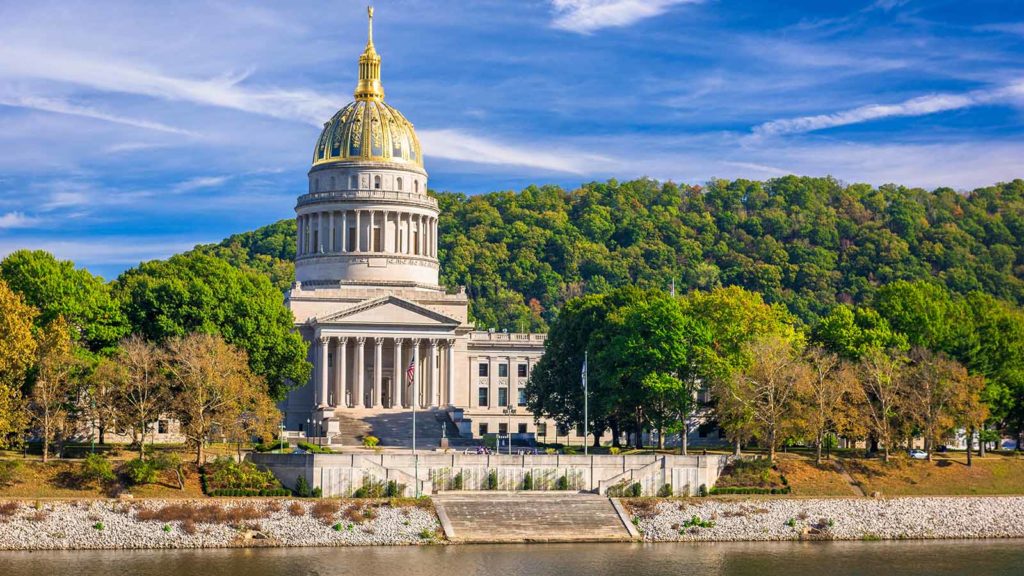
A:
{"points": [[529, 517], [853, 484]]}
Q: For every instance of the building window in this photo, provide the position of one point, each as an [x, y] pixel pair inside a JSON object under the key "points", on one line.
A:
{"points": [[502, 370], [483, 370], [503, 428], [416, 185], [522, 397], [481, 398], [161, 426], [330, 360], [376, 182], [542, 430], [522, 427], [399, 183], [502, 396], [521, 370], [562, 430], [483, 428], [354, 182]]}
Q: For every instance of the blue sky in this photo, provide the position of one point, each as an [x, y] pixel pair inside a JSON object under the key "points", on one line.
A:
{"points": [[134, 130]]}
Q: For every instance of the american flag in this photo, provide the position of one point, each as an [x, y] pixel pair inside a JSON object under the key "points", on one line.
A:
{"points": [[411, 370]]}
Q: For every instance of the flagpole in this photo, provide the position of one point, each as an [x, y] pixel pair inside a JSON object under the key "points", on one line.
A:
{"points": [[586, 404]]}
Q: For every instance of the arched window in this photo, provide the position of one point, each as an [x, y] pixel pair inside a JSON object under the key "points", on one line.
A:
{"points": [[399, 183], [416, 185], [354, 182], [376, 182], [317, 187]]}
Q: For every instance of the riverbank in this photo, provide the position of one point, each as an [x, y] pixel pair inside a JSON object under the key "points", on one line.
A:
{"points": [[147, 524], [724, 520]]}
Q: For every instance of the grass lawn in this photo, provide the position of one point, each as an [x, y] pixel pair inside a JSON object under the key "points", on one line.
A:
{"points": [[945, 475], [809, 479], [57, 479]]}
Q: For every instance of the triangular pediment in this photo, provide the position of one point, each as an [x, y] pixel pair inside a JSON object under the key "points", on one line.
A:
{"points": [[390, 311]]}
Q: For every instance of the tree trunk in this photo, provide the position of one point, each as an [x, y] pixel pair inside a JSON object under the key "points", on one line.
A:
{"points": [[981, 441], [103, 435], [885, 454], [661, 438], [736, 451], [616, 442], [46, 449], [597, 439], [817, 449], [771, 446], [970, 448], [927, 448], [199, 453], [683, 438], [142, 445]]}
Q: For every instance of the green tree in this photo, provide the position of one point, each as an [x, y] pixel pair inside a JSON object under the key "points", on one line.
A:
{"points": [[57, 288], [52, 399], [17, 355], [200, 293]]}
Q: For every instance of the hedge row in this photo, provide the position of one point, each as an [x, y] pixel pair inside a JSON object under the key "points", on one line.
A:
{"points": [[244, 492], [749, 490]]}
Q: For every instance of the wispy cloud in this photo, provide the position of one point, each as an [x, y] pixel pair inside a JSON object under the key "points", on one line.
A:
{"points": [[201, 182], [456, 145], [920, 106], [62, 107], [16, 220], [588, 16]]}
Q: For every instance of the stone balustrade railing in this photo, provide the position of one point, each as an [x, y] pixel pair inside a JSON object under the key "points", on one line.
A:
{"points": [[383, 195]]}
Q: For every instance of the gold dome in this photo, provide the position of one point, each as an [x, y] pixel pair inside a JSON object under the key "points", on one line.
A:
{"points": [[368, 129]]}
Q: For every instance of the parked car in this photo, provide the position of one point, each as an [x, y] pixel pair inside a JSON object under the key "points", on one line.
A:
{"points": [[918, 454]]}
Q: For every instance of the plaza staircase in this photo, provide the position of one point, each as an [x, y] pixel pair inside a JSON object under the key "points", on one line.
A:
{"points": [[394, 427], [479, 517]]}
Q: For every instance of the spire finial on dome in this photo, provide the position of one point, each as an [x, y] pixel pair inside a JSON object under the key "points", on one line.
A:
{"points": [[369, 87]]}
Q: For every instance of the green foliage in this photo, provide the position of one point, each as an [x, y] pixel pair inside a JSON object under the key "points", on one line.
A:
{"points": [[379, 489], [492, 480], [457, 481], [722, 490], [562, 483], [313, 448], [528, 481], [57, 288], [302, 487], [98, 526], [665, 491], [702, 490], [199, 293], [697, 522], [225, 473], [9, 472], [138, 472], [615, 450], [271, 446], [371, 441], [96, 468]]}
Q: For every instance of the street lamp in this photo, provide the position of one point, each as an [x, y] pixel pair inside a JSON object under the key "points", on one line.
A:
{"points": [[509, 411]]}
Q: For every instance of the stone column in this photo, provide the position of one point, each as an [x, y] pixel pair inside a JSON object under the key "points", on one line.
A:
{"points": [[320, 232], [450, 373], [433, 388], [344, 232], [330, 231], [398, 378], [339, 371], [359, 401], [398, 232], [321, 399], [415, 401], [298, 236], [378, 387]]}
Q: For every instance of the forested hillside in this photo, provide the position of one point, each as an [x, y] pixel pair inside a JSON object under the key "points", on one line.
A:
{"points": [[807, 243]]}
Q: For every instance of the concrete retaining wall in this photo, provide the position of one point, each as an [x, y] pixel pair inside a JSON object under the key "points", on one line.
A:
{"points": [[342, 474]]}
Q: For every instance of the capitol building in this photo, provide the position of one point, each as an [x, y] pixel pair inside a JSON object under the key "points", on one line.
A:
{"points": [[383, 335]]}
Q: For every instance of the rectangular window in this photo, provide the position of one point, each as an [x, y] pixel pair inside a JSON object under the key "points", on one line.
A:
{"points": [[352, 240], [483, 429], [542, 430], [503, 428], [481, 398], [483, 370], [376, 240], [502, 396], [522, 427], [522, 396], [562, 430], [521, 370], [161, 426], [502, 370], [330, 360]]}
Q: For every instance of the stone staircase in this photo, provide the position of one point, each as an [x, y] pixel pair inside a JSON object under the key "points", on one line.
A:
{"points": [[394, 427], [531, 517]]}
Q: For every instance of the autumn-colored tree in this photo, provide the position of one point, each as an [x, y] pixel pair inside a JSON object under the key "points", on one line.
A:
{"points": [[767, 388], [141, 388], [214, 389], [935, 383], [824, 394], [882, 376], [17, 355], [52, 398]]}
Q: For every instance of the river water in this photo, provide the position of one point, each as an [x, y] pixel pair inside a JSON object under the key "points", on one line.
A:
{"points": [[932, 558]]}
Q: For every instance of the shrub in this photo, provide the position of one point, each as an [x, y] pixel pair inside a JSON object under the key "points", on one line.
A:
{"points": [[703, 490], [569, 450], [296, 509], [313, 448], [337, 527], [614, 450], [636, 490], [317, 492], [665, 491], [791, 522], [301, 487], [528, 481], [98, 526], [457, 481], [371, 489], [698, 522], [371, 441], [137, 472], [324, 510], [426, 534], [276, 445], [492, 480], [9, 472], [226, 473], [96, 468], [394, 489], [8, 509], [166, 528], [354, 514], [562, 484], [550, 451]]}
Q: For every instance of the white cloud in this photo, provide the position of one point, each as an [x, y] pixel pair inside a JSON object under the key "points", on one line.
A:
{"points": [[920, 106], [61, 107], [456, 145], [587, 16], [16, 220], [201, 182]]}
